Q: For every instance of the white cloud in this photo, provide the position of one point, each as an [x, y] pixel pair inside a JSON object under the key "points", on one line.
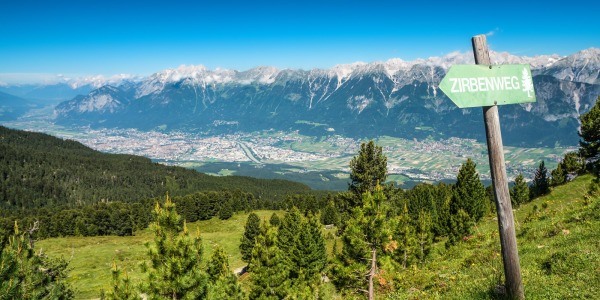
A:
{"points": [[492, 32], [75, 81], [29, 78]]}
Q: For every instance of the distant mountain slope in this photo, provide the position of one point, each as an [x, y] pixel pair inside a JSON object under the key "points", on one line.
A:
{"points": [[11, 107], [38, 170], [395, 98]]}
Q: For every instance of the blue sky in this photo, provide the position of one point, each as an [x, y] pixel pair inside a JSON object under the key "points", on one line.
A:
{"points": [[108, 37]]}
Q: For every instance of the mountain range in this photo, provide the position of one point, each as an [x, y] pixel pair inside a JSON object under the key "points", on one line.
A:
{"points": [[396, 98]]}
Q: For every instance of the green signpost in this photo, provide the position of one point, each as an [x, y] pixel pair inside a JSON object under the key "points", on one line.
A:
{"points": [[488, 86], [481, 85]]}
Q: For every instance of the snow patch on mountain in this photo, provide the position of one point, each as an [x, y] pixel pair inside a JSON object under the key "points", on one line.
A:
{"points": [[97, 81], [99, 103], [343, 71], [200, 76], [583, 66], [359, 103], [262, 75]]}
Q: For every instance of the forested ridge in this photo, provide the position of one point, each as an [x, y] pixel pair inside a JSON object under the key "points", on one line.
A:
{"points": [[37, 170], [74, 190]]}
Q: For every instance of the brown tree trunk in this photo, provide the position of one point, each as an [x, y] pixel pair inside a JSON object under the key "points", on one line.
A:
{"points": [[372, 273]]}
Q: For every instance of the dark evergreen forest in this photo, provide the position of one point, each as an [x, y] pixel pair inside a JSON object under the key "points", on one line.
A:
{"points": [[71, 189]]}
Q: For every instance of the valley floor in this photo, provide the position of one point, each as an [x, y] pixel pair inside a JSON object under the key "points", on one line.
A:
{"points": [[318, 161]]}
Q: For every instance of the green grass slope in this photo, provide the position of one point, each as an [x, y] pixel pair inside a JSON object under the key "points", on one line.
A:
{"points": [[91, 257], [558, 237]]}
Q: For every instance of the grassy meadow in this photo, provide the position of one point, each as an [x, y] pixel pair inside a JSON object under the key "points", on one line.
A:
{"points": [[558, 238], [91, 258]]}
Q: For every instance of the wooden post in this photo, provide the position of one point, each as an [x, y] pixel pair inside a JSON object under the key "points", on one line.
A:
{"points": [[506, 223]]}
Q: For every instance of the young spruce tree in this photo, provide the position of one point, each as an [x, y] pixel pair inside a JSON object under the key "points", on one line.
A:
{"points": [[329, 214], [572, 163], [469, 192], [275, 220], [406, 239], [519, 194], [270, 271], [175, 258], [251, 231], [27, 275], [122, 287], [223, 283], [541, 185], [367, 234], [368, 169], [424, 235], [558, 176]]}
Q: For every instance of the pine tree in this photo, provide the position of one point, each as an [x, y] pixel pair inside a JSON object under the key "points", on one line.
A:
{"points": [[589, 145], [226, 211], [460, 226], [330, 214], [122, 288], [218, 265], [572, 163], [519, 194], [10, 279], [251, 231], [270, 271], [367, 235], [288, 237], [27, 275], [175, 269], [303, 247], [558, 176], [443, 197], [367, 169], [223, 283], [420, 198], [310, 255], [424, 235], [541, 185], [406, 239], [469, 192], [274, 220]]}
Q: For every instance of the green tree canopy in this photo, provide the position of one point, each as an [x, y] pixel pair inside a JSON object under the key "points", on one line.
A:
{"points": [[590, 134], [541, 185], [175, 269], [572, 163], [251, 231], [558, 176], [368, 235], [275, 220], [367, 169], [469, 192], [519, 194], [329, 214], [270, 272], [223, 283], [27, 275]]}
